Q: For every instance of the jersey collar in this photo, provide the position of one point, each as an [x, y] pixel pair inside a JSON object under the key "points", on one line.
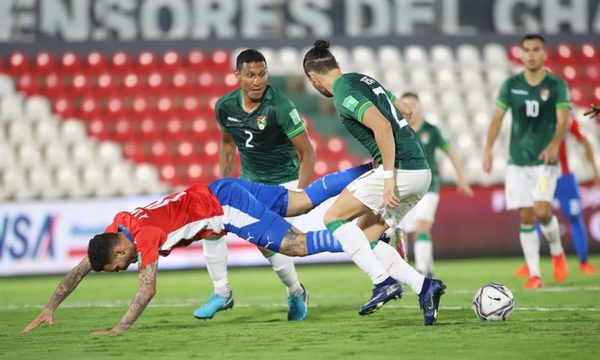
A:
{"points": [[126, 232]]}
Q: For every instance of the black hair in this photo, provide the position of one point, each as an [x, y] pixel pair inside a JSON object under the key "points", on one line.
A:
{"points": [[319, 59], [100, 250], [410, 94], [248, 56], [534, 37]]}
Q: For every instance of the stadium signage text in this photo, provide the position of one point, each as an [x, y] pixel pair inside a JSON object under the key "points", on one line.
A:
{"points": [[21, 237], [123, 20]]}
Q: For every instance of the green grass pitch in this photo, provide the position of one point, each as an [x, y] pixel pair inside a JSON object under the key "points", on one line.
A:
{"points": [[561, 321]]}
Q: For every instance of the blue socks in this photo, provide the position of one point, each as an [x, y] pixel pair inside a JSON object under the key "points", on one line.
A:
{"points": [[322, 241], [579, 237], [332, 184]]}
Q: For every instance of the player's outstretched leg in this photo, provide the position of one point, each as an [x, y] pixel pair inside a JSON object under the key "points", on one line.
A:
{"points": [[298, 306], [429, 299], [213, 305]]}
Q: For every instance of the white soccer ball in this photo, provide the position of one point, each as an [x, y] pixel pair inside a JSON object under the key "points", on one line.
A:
{"points": [[493, 302]]}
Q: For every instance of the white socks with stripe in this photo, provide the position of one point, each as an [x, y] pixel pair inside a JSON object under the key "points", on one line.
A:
{"points": [[356, 245], [530, 243], [397, 267], [551, 232], [215, 254], [285, 269]]}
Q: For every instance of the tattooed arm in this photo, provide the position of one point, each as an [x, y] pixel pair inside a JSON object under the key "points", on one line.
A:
{"points": [[67, 285], [145, 292]]}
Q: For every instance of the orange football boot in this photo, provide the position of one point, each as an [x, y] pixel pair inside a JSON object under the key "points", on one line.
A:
{"points": [[534, 282], [522, 271], [587, 268], [561, 271]]}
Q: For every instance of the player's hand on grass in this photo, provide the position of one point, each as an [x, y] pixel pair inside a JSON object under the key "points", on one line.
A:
{"points": [[46, 316], [488, 160], [549, 154], [112, 331], [390, 200], [593, 111]]}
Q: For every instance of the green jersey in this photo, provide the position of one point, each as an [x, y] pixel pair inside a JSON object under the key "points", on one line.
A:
{"points": [[432, 138], [267, 155], [353, 95], [533, 110]]}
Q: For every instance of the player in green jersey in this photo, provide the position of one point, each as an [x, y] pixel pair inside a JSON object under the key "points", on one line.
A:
{"points": [[374, 117], [420, 219], [265, 127], [540, 104]]}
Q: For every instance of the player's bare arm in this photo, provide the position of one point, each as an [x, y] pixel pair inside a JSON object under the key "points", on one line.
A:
{"points": [[66, 286], [492, 135], [226, 154], [462, 184], [589, 154], [550, 152], [145, 293], [593, 111], [382, 130], [306, 155]]}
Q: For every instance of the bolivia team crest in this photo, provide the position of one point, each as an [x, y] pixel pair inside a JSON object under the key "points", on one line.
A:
{"points": [[545, 94], [424, 138], [261, 122]]}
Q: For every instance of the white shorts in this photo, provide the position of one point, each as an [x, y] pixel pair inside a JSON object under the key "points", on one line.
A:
{"points": [[411, 185], [527, 184], [424, 210]]}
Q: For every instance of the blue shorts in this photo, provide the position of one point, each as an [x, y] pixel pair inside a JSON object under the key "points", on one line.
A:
{"points": [[253, 212], [567, 194]]}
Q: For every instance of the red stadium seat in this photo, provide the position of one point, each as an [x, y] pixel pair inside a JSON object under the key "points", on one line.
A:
{"points": [[27, 83], [95, 63], [206, 83], [79, 85], [105, 84], [564, 55], [69, 63], [52, 85], [148, 129], [120, 62], [335, 145], [134, 151], [199, 127], [197, 60], [180, 83], [146, 62], [589, 54], [596, 95], [514, 53], [174, 129], [44, 63], [165, 106], [190, 107], [170, 61], [17, 63], [139, 107], [159, 152], [230, 83], [63, 107], [114, 107], [155, 83], [131, 82], [98, 129], [195, 173], [578, 96], [221, 61], [592, 74], [122, 130], [168, 173], [186, 152], [89, 108]]}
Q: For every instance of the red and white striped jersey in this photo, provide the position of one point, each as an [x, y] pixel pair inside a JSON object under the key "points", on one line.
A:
{"points": [[575, 130], [175, 221]]}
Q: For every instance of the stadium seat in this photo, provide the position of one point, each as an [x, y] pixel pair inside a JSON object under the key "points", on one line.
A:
{"points": [[197, 60], [95, 63], [69, 63], [29, 154], [8, 158], [114, 107], [288, 59], [89, 107], [131, 83], [19, 132], [416, 56], [67, 182], [342, 56], [55, 154], [83, 153], [119, 179], [139, 107], [46, 131], [170, 61], [154, 83], [148, 129], [442, 56], [52, 85], [63, 107], [27, 84], [11, 108], [43, 63], [494, 55], [174, 129], [469, 57], [564, 55], [120, 62], [109, 153], [14, 182], [146, 177], [79, 85], [39, 182], [145, 62], [221, 62], [133, 150], [122, 130], [589, 54], [105, 84], [7, 87], [165, 106], [18, 63], [72, 131], [93, 180], [362, 56], [388, 56]]}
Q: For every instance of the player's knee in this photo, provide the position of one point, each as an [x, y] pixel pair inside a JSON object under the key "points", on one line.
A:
{"points": [[330, 216]]}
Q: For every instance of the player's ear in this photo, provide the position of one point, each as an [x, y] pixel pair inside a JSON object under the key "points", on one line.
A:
{"points": [[237, 74]]}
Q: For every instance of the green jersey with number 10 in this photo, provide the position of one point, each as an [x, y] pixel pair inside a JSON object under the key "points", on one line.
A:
{"points": [[267, 155], [533, 110], [353, 95]]}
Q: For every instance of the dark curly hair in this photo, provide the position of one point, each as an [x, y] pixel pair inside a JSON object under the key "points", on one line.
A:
{"points": [[319, 59], [100, 250]]}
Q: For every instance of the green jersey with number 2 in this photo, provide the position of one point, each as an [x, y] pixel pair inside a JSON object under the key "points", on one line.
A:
{"points": [[267, 155], [353, 95], [533, 110]]}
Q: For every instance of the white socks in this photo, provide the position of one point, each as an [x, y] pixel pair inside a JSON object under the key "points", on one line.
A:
{"points": [[284, 267], [530, 243], [215, 254], [423, 256], [355, 244], [397, 267], [551, 232]]}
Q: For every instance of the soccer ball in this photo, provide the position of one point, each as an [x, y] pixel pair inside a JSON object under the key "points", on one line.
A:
{"points": [[493, 302]]}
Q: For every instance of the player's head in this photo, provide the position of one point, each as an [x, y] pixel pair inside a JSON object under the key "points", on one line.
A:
{"points": [[533, 51], [110, 252], [412, 99], [251, 72], [318, 61]]}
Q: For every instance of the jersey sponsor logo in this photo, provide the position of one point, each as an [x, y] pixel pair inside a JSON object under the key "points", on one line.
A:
{"points": [[261, 122], [232, 119], [350, 103], [424, 138], [545, 94], [295, 117], [519, 92], [367, 80]]}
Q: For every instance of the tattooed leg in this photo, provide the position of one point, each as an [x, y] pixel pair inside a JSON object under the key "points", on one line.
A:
{"points": [[294, 243]]}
